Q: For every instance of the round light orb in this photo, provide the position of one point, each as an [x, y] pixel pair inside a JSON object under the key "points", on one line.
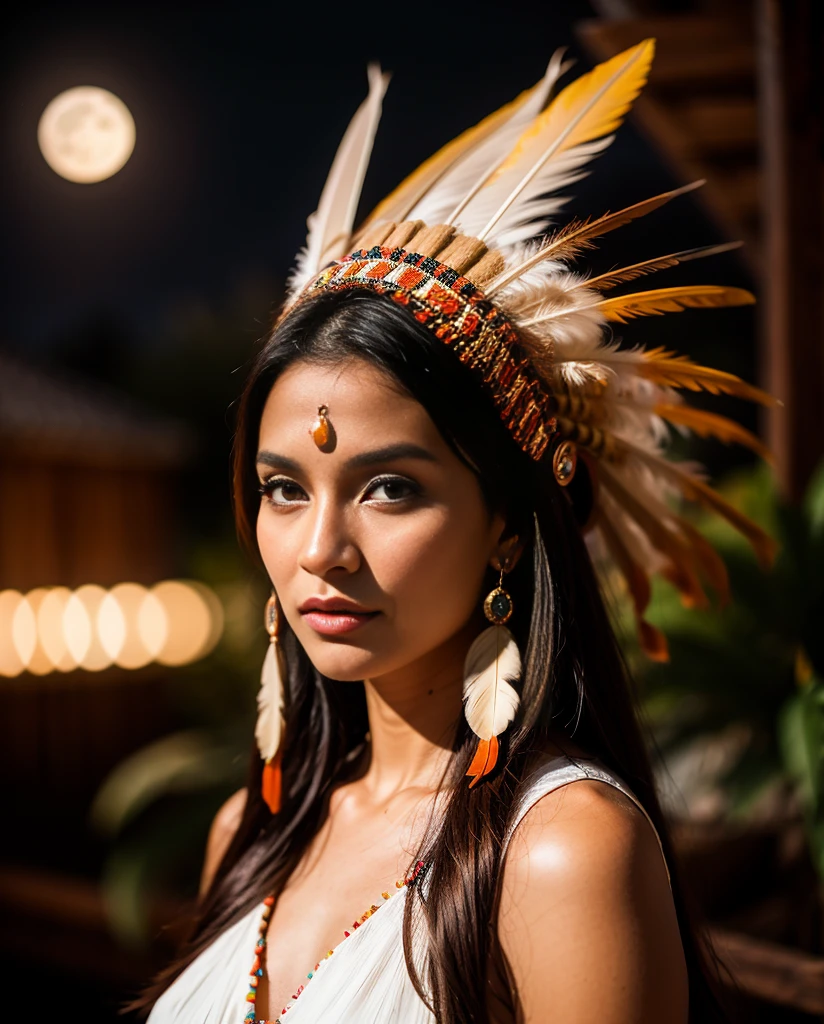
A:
{"points": [[11, 663], [26, 634], [81, 623], [123, 640], [190, 622], [50, 629], [86, 134], [152, 624]]}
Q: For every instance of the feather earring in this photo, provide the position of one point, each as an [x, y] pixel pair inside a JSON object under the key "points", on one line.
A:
{"points": [[493, 663], [269, 728]]}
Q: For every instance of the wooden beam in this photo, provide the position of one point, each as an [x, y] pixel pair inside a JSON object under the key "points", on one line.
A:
{"points": [[791, 89], [778, 974]]}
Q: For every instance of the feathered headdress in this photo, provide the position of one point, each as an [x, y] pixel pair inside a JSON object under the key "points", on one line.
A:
{"points": [[455, 244]]}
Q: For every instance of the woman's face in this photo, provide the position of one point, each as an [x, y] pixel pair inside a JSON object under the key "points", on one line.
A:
{"points": [[390, 521]]}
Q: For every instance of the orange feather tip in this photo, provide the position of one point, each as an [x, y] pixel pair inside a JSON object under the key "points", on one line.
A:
{"points": [[271, 783], [485, 759], [653, 641]]}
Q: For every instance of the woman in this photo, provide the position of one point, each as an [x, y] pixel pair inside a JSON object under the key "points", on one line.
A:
{"points": [[424, 520]]}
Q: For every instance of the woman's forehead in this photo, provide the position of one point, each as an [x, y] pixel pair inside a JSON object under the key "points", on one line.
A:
{"points": [[364, 405]]}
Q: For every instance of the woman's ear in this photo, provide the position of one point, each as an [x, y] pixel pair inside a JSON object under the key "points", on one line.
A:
{"points": [[509, 551]]}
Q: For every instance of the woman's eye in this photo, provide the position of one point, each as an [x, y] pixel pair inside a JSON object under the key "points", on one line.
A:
{"points": [[393, 488], [281, 492]]}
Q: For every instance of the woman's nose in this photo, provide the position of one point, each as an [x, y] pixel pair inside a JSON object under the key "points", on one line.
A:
{"points": [[327, 544]]}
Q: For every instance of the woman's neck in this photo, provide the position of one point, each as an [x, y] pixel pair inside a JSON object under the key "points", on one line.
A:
{"points": [[413, 716]]}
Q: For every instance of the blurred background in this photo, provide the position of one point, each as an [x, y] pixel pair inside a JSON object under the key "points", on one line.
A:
{"points": [[149, 229]]}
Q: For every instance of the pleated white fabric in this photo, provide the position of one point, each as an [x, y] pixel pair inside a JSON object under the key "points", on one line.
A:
{"points": [[365, 979]]}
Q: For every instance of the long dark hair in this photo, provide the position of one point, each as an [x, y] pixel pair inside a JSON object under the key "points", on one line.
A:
{"points": [[574, 682]]}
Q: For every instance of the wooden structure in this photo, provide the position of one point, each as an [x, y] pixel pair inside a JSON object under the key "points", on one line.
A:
{"points": [[735, 97], [87, 497]]}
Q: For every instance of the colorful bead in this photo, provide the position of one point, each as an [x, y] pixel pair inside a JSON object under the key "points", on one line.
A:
{"points": [[260, 945]]}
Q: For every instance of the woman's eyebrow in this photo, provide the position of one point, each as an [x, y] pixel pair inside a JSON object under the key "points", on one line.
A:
{"points": [[402, 450]]}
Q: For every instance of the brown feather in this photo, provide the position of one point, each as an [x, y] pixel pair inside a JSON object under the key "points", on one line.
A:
{"points": [[578, 235], [681, 573], [636, 579], [663, 367], [603, 282], [764, 546], [694, 489], [710, 424]]}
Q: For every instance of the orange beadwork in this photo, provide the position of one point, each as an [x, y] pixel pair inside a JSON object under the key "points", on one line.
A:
{"points": [[461, 316]]}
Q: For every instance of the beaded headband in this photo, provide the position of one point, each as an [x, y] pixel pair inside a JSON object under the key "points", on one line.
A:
{"points": [[457, 312]]}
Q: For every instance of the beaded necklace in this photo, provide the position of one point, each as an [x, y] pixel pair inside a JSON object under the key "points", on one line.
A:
{"points": [[260, 948]]}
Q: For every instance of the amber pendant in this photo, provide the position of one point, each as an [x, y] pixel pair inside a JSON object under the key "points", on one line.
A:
{"points": [[498, 606], [320, 428]]}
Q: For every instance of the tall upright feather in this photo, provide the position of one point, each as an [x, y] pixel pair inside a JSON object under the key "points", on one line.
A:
{"points": [[331, 225], [590, 108], [400, 204]]}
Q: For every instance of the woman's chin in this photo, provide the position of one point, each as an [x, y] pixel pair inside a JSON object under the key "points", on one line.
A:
{"points": [[345, 666]]}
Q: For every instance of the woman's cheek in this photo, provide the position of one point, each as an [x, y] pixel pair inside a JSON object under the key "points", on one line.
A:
{"points": [[433, 573]]}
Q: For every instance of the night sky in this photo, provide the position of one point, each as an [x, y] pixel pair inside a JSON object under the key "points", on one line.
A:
{"points": [[239, 109]]}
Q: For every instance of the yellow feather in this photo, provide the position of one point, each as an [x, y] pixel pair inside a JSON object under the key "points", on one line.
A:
{"points": [[710, 424], [666, 368], [401, 200], [590, 107], [622, 308]]}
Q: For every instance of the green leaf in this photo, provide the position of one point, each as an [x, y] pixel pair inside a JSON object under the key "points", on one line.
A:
{"points": [[184, 762]]}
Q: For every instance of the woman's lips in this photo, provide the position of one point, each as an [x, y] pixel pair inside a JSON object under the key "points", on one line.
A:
{"points": [[330, 623]]}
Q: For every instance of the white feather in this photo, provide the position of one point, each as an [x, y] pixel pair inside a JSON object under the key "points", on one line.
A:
{"points": [[532, 211], [330, 226], [270, 703], [446, 198], [492, 663]]}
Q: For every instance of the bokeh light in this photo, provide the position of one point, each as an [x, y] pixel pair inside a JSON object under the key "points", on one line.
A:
{"points": [[56, 629]]}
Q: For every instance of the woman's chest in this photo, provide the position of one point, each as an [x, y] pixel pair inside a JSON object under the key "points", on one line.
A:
{"points": [[344, 877]]}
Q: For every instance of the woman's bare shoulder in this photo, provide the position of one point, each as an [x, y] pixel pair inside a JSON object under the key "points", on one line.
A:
{"points": [[586, 918], [224, 825]]}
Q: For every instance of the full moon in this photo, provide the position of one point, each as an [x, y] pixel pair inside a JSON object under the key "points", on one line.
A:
{"points": [[86, 134]]}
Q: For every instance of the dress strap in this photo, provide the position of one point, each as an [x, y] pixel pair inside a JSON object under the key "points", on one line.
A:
{"points": [[560, 771]]}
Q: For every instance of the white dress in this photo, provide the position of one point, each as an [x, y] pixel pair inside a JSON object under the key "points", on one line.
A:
{"points": [[364, 978]]}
